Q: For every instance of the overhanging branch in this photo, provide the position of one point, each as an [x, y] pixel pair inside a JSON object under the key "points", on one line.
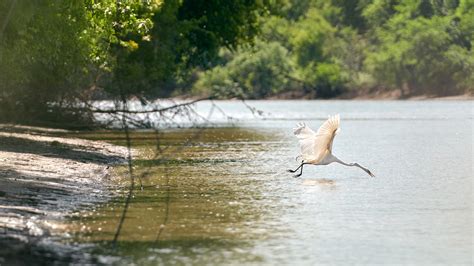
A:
{"points": [[155, 110]]}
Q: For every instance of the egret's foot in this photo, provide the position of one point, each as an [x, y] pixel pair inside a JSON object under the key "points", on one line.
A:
{"points": [[298, 175], [291, 171]]}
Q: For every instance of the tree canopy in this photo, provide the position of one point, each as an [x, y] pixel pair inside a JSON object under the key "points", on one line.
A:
{"points": [[415, 46], [56, 54]]}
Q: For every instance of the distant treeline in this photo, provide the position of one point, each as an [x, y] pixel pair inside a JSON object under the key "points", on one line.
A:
{"points": [[55, 54], [324, 48]]}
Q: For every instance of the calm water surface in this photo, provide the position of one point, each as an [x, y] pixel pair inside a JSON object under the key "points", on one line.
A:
{"points": [[222, 195]]}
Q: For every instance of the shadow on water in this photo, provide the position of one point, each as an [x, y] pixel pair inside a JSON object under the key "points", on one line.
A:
{"points": [[319, 182], [199, 204]]}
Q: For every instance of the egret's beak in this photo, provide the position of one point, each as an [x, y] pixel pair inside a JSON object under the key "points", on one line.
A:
{"points": [[370, 173]]}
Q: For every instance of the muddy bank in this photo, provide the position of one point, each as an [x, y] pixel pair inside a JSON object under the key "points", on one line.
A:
{"points": [[43, 178], [397, 95], [377, 94]]}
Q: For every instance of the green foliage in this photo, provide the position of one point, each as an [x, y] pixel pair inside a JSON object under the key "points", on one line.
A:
{"points": [[416, 46], [326, 79], [185, 35], [230, 22], [294, 54], [308, 38], [311, 41], [42, 57], [351, 13], [253, 73], [378, 12], [111, 24], [54, 53], [421, 55]]}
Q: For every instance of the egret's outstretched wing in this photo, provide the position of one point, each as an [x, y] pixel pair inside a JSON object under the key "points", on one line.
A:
{"points": [[327, 131], [307, 137], [314, 146], [303, 132]]}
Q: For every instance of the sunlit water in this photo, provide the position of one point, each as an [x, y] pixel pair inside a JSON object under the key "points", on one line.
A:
{"points": [[223, 196]]}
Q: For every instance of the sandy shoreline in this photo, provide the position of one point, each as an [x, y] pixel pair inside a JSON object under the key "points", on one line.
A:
{"points": [[44, 178]]}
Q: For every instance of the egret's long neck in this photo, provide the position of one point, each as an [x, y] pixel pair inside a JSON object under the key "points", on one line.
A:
{"points": [[337, 160], [352, 164]]}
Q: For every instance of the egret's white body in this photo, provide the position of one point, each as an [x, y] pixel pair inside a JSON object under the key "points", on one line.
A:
{"points": [[316, 147]]}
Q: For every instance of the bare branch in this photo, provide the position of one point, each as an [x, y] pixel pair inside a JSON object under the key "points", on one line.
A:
{"points": [[155, 110]]}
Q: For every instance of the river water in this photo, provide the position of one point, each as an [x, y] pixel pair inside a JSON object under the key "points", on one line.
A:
{"points": [[221, 194]]}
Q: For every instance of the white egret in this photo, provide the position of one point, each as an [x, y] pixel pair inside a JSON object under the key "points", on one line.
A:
{"points": [[316, 147]]}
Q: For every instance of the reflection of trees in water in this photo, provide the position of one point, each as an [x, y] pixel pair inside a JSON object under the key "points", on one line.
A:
{"points": [[166, 114], [178, 171]]}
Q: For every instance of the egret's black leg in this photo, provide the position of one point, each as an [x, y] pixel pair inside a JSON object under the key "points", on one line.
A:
{"points": [[292, 171], [301, 171]]}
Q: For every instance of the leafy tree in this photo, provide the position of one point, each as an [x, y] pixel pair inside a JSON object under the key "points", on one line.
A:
{"points": [[186, 35], [43, 58], [53, 53], [253, 73], [351, 13], [418, 46], [422, 52], [310, 42], [378, 13]]}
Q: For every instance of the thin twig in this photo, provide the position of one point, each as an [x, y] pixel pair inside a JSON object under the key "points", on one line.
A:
{"points": [[132, 180]]}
